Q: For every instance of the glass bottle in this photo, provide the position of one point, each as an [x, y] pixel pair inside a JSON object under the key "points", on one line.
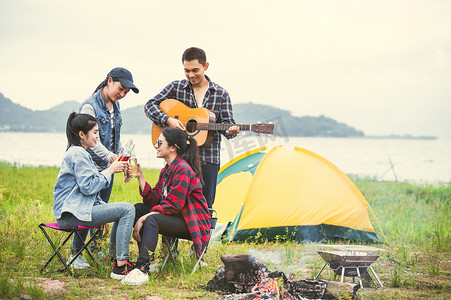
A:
{"points": [[127, 151], [133, 162]]}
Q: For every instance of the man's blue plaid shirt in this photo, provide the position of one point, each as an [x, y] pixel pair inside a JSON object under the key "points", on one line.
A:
{"points": [[216, 99]]}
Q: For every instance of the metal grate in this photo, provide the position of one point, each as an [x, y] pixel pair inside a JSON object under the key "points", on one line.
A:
{"points": [[351, 261]]}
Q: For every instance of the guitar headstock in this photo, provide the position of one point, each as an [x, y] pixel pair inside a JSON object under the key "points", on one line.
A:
{"points": [[263, 128]]}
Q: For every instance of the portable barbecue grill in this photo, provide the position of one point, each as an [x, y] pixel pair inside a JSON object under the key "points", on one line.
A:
{"points": [[351, 261]]}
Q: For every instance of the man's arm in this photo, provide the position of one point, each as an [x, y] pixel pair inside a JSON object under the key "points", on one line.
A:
{"points": [[154, 113], [152, 107], [227, 117]]}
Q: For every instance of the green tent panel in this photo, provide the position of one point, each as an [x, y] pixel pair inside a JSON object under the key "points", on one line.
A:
{"points": [[247, 162], [289, 193], [299, 233]]}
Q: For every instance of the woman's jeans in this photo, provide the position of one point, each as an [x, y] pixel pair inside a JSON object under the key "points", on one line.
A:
{"points": [[123, 216], [76, 243], [167, 225]]}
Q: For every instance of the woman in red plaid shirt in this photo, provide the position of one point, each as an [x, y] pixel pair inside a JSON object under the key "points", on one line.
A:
{"points": [[174, 207]]}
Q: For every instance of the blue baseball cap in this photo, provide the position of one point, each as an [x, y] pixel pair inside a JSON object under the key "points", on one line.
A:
{"points": [[125, 78]]}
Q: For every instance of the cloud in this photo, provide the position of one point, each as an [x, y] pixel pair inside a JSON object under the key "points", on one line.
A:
{"points": [[380, 66]]}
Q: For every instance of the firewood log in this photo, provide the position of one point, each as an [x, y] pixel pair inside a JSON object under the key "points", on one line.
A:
{"points": [[340, 290]]}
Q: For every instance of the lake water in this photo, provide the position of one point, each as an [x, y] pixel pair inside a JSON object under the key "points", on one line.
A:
{"points": [[417, 161]]}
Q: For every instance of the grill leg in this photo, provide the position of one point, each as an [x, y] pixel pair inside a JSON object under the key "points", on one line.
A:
{"points": [[360, 279], [342, 274], [377, 278], [320, 271]]}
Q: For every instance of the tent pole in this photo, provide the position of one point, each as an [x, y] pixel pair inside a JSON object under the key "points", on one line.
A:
{"points": [[378, 224]]}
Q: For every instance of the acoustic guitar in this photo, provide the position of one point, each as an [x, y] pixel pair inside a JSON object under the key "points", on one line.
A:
{"points": [[200, 122]]}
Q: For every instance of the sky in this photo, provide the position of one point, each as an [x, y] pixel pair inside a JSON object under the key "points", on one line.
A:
{"points": [[380, 66]]}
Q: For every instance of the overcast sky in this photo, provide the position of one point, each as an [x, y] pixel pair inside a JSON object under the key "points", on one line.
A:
{"points": [[381, 66]]}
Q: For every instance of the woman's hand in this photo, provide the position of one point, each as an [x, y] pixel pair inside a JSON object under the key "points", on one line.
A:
{"points": [[117, 166], [127, 172], [106, 229], [137, 228], [139, 224], [141, 179], [113, 158]]}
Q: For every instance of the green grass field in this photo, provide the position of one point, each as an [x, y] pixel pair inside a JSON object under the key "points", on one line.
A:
{"points": [[415, 219]]}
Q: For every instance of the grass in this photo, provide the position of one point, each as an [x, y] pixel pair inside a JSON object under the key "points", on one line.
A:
{"points": [[415, 219]]}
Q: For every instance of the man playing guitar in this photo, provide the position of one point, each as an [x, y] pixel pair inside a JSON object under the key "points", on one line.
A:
{"points": [[198, 91]]}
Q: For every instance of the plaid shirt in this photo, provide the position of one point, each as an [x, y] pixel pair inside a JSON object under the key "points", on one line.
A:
{"points": [[216, 99], [182, 195]]}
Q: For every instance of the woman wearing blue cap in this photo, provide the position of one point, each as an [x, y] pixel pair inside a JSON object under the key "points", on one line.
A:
{"points": [[103, 104]]}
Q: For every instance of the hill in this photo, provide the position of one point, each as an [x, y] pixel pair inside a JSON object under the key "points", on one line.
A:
{"points": [[66, 107], [14, 117], [287, 124]]}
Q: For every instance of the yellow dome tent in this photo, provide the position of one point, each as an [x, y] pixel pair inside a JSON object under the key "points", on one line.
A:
{"points": [[289, 193]]}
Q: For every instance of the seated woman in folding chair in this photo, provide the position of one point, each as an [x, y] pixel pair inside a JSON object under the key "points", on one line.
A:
{"points": [[76, 194], [174, 207]]}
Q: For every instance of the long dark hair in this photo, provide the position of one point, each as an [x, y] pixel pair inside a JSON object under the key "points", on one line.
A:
{"points": [[105, 83], [186, 148], [75, 124]]}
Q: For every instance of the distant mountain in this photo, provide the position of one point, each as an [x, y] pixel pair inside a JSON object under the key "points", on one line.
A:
{"points": [[65, 107], [287, 124], [14, 117], [135, 121]]}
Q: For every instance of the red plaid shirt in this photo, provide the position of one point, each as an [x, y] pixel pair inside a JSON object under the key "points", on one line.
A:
{"points": [[182, 195]]}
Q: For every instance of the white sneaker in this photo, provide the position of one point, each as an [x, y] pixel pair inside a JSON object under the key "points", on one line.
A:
{"points": [[203, 264], [135, 277], [153, 267], [79, 263]]}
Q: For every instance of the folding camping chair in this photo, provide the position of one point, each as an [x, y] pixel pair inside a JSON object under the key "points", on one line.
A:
{"points": [[56, 252], [172, 243]]}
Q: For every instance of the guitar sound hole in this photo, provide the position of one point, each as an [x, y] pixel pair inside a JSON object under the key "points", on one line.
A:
{"points": [[191, 126]]}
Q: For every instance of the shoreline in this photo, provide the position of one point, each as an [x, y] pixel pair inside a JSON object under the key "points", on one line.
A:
{"points": [[353, 177], [390, 136]]}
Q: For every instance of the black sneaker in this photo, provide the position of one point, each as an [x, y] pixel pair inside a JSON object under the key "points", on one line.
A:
{"points": [[120, 272]]}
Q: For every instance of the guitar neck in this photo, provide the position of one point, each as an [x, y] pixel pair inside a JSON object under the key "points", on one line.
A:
{"points": [[221, 126]]}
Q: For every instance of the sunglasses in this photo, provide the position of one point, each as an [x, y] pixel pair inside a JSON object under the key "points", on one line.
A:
{"points": [[158, 143]]}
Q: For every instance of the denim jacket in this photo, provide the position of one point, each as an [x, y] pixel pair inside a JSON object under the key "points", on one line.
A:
{"points": [[78, 184], [102, 114]]}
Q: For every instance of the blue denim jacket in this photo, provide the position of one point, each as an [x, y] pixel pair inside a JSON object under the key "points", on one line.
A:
{"points": [[104, 120], [78, 184]]}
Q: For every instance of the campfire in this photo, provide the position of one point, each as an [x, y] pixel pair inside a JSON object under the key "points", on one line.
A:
{"points": [[242, 277]]}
